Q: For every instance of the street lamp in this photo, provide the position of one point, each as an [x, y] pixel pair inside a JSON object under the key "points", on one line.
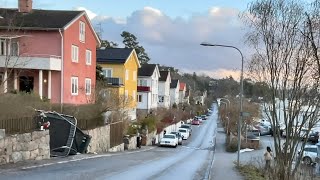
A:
{"points": [[241, 92]]}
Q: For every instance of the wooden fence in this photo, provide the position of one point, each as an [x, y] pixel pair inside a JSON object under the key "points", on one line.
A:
{"points": [[19, 125], [87, 124], [116, 133]]}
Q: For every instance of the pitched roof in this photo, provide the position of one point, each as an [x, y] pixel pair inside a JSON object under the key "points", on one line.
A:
{"points": [[37, 19], [174, 83], [113, 55], [163, 75], [146, 69], [182, 86]]}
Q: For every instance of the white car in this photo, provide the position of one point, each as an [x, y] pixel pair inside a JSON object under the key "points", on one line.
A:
{"points": [[309, 154], [169, 140], [184, 133]]}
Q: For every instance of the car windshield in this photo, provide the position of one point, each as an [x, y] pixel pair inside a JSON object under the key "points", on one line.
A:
{"points": [[169, 136], [310, 150], [185, 126], [182, 130]]}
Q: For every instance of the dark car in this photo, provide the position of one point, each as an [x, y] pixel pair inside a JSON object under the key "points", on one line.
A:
{"points": [[204, 117], [314, 137]]}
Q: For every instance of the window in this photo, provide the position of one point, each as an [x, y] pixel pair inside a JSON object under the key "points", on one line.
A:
{"points": [[134, 95], [74, 85], [2, 47], [142, 82], [127, 74], [88, 86], [107, 72], [74, 53], [139, 98], [134, 75], [88, 57], [9, 47], [161, 99], [82, 32], [1, 78]]}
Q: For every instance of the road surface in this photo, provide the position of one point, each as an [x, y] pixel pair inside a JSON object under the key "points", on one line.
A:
{"points": [[192, 160]]}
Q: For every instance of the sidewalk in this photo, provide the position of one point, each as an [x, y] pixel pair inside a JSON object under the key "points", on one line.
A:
{"points": [[224, 167], [60, 160]]}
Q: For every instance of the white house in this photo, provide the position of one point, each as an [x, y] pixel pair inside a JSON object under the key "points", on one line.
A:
{"points": [[174, 92], [182, 92], [164, 89], [148, 78]]}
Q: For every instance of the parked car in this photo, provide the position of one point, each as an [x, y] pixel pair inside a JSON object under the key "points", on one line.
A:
{"points": [[169, 140], [187, 126], [178, 134], [309, 154], [264, 129], [302, 135], [199, 118], [195, 122], [314, 137], [184, 132], [203, 117]]}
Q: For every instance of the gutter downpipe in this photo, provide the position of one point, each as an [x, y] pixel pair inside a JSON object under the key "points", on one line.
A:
{"points": [[62, 73]]}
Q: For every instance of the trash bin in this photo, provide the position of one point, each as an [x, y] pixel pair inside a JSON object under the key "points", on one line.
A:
{"points": [[126, 142]]}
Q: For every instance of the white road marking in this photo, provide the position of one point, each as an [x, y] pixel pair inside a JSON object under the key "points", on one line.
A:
{"points": [[84, 158]]}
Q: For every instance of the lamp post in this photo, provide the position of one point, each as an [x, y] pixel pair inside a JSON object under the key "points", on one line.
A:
{"points": [[241, 93]]}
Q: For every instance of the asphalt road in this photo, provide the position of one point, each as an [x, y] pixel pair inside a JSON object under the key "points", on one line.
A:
{"points": [[192, 160]]}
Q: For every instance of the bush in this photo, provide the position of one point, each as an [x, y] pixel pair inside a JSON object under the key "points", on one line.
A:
{"points": [[250, 172], [148, 123], [232, 146]]}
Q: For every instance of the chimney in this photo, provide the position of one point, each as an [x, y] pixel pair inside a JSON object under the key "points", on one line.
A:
{"points": [[25, 6]]}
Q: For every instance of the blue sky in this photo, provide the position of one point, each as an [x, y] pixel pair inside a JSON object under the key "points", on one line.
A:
{"points": [[169, 30]]}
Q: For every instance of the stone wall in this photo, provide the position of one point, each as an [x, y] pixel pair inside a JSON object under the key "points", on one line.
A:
{"points": [[100, 139], [27, 146], [132, 143], [117, 148]]}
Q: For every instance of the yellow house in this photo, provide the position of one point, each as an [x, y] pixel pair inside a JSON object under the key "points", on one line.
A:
{"points": [[120, 67]]}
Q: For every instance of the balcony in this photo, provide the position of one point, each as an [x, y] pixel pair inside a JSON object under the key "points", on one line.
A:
{"points": [[143, 89], [114, 81], [34, 61]]}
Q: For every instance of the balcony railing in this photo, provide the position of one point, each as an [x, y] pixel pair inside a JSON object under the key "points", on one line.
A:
{"points": [[143, 88], [114, 81]]}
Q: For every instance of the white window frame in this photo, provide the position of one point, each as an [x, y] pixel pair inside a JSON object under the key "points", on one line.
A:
{"points": [[88, 57], [134, 75], [82, 31], [4, 44], [75, 53], [88, 85], [104, 70], [127, 74], [74, 82], [142, 82]]}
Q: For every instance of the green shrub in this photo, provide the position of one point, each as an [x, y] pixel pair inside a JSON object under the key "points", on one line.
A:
{"points": [[251, 172], [148, 123]]}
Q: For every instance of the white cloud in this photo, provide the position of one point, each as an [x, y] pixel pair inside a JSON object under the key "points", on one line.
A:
{"points": [[176, 41], [90, 14]]}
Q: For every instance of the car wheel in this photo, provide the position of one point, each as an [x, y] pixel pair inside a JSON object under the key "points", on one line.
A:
{"points": [[307, 160], [176, 146]]}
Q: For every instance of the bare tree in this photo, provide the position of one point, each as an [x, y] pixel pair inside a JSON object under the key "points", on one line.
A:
{"points": [[284, 60], [10, 52]]}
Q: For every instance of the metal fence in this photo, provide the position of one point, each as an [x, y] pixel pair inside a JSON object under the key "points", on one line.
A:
{"points": [[116, 133], [19, 125]]}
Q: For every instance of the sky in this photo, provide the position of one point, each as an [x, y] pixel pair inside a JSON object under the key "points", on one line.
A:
{"points": [[170, 30]]}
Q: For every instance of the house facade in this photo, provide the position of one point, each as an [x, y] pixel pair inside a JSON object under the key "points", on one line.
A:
{"points": [[174, 92], [120, 67], [164, 89], [182, 92], [148, 84], [47, 52]]}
